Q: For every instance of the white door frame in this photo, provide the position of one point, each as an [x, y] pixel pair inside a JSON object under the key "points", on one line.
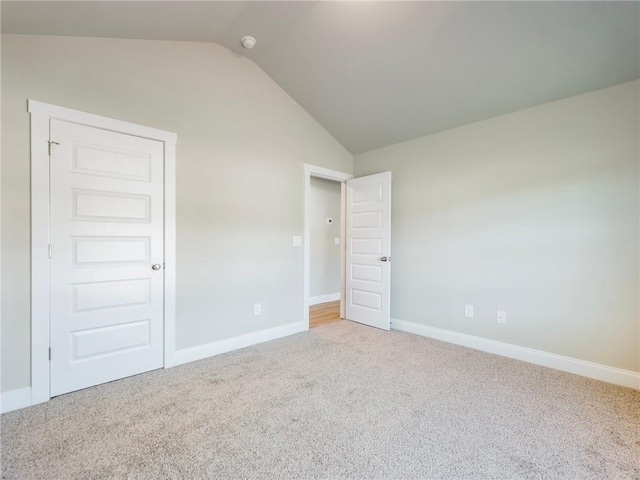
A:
{"points": [[41, 114], [327, 174]]}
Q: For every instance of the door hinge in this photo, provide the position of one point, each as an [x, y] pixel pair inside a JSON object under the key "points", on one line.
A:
{"points": [[49, 353], [49, 250], [51, 142]]}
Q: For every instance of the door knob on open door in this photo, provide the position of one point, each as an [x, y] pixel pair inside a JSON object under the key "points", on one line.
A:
{"points": [[385, 259], [156, 266]]}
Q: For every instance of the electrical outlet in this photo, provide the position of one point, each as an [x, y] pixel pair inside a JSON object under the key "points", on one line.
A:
{"points": [[257, 309], [501, 316], [468, 311]]}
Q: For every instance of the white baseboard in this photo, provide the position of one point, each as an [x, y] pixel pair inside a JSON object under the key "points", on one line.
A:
{"points": [[617, 376], [21, 398], [329, 297], [192, 354], [15, 399]]}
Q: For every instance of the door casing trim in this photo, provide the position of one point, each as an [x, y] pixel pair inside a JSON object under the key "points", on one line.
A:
{"points": [[327, 174], [41, 114]]}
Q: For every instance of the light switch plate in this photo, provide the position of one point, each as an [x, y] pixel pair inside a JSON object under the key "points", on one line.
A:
{"points": [[501, 316], [297, 241], [336, 240], [468, 311]]}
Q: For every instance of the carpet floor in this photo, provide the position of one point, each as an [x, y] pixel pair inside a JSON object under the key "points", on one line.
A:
{"points": [[340, 401]]}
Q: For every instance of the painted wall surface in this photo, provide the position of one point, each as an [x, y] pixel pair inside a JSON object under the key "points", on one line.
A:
{"points": [[324, 271], [242, 143], [536, 213]]}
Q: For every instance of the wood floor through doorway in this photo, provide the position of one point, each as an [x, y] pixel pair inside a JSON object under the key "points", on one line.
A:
{"points": [[324, 314]]}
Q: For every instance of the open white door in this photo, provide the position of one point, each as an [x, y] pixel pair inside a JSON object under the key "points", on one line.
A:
{"points": [[368, 232]]}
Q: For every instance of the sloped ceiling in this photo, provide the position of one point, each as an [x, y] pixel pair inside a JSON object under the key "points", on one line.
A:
{"points": [[378, 73]]}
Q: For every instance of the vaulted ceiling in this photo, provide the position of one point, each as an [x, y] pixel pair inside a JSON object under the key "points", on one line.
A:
{"points": [[378, 73]]}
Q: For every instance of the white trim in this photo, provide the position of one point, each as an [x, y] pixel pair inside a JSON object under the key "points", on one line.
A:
{"points": [[327, 174], [617, 376], [169, 253], [41, 115], [15, 399], [329, 297], [39, 258], [229, 344], [343, 249], [105, 123]]}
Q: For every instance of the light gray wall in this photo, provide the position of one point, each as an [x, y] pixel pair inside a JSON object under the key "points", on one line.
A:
{"points": [[536, 213], [242, 142], [324, 271]]}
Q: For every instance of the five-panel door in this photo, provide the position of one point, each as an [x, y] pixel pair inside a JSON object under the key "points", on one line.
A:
{"points": [[106, 237], [368, 250]]}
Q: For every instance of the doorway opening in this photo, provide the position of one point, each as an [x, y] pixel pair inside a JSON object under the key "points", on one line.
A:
{"points": [[325, 302], [325, 247], [364, 245]]}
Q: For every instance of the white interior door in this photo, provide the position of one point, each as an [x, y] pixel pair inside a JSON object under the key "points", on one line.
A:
{"points": [[106, 256], [368, 229]]}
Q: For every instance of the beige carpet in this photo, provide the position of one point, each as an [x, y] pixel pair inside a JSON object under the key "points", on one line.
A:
{"points": [[340, 401]]}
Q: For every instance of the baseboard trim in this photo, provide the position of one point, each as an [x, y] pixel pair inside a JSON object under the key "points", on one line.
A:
{"points": [[21, 397], [329, 297], [15, 399], [617, 376], [200, 352]]}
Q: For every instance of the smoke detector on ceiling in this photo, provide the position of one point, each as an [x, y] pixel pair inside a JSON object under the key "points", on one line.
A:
{"points": [[248, 42]]}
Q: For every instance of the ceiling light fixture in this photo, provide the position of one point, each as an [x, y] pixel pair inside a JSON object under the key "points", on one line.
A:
{"points": [[248, 42]]}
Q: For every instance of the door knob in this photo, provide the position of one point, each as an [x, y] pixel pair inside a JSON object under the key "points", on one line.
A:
{"points": [[156, 266], [385, 259]]}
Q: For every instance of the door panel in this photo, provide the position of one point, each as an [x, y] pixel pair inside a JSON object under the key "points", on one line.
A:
{"points": [[106, 232], [111, 294], [114, 250], [105, 340], [368, 244], [92, 205]]}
